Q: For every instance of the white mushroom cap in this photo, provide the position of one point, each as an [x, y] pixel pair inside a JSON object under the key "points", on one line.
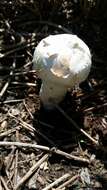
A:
{"points": [[62, 62]]}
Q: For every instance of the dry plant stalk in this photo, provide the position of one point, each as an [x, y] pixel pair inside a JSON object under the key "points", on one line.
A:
{"points": [[45, 148], [4, 183], [59, 180], [66, 183], [31, 171]]}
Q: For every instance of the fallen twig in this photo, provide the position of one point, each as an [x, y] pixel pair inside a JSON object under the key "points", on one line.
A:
{"points": [[22, 123], [1, 185], [59, 180], [24, 72], [24, 83], [16, 161], [6, 133], [41, 122], [66, 183], [70, 156], [10, 159], [45, 148], [76, 126], [12, 101], [31, 171], [32, 129], [10, 177], [4, 183], [32, 117], [22, 46], [25, 145], [9, 79], [95, 108], [4, 88]]}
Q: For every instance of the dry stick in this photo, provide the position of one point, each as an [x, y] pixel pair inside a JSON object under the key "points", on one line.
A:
{"points": [[24, 83], [32, 117], [10, 178], [94, 108], [22, 46], [24, 72], [32, 129], [70, 156], [25, 145], [16, 167], [27, 65], [30, 114], [24, 124], [4, 183], [0, 185], [5, 88], [59, 180], [12, 101], [66, 183], [10, 159], [45, 148], [43, 136], [57, 151], [9, 80], [6, 133], [29, 127], [31, 171], [76, 126], [16, 161]]}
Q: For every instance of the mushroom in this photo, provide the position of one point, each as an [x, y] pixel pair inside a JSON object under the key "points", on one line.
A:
{"points": [[62, 61]]}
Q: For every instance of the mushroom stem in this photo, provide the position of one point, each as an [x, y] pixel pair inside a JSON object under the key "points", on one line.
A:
{"points": [[51, 93]]}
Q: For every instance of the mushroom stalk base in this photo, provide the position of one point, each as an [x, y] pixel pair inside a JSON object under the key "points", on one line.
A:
{"points": [[51, 94]]}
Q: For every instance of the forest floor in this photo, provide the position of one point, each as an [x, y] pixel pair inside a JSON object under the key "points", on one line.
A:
{"points": [[65, 148]]}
